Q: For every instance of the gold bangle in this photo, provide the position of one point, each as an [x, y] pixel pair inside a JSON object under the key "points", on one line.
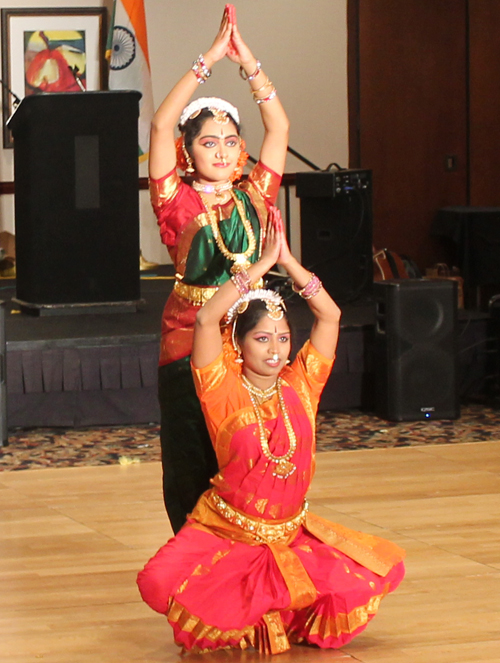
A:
{"points": [[268, 83], [263, 100]]}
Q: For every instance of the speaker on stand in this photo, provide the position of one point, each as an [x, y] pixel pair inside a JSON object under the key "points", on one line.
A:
{"points": [[336, 230], [416, 373]]}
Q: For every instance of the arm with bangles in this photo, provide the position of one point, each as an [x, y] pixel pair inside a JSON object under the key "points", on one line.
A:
{"points": [[207, 343], [325, 330], [274, 118], [162, 152]]}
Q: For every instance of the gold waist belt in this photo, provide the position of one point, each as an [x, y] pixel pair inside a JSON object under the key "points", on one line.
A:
{"points": [[263, 531], [199, 295], [195, 294]]}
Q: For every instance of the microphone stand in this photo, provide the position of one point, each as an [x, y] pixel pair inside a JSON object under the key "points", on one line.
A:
{"points": [[7, 89], [15, 103]]}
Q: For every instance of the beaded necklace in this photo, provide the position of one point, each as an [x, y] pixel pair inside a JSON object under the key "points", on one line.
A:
{"points": [[240, 259], [261, 395], [284, 468], [217, 189]]}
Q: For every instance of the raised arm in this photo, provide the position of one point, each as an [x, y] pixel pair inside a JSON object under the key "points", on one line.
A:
{"points": [[325, 331], [276, 124], [207, 343], [162, 155]]}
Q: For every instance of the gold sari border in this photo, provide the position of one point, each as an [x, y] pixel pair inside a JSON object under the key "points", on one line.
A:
{"points": [[333, 626], [372, 552], [164, 190], [270, 635], [186, 239], [177, 614]]}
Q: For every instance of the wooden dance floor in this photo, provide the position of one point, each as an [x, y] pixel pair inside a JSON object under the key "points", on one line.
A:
{"points": [[73, 539]]}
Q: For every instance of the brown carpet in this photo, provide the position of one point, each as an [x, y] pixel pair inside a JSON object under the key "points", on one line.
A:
{"points": [[337, 431]]}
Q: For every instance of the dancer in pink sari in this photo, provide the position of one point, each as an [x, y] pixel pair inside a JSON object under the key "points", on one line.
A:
{"points": [[253, 567]]}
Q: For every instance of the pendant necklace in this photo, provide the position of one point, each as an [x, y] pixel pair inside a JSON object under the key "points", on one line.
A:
{"points": [[241, 260], [284, 468]]}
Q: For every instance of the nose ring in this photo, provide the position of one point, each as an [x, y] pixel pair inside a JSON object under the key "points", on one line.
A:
{"points": [[223, 159], [275, 357]]}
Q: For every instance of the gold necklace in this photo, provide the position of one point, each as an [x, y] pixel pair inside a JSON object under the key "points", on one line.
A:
{"points": [[284, 468], [261, 395], [240, 259]]}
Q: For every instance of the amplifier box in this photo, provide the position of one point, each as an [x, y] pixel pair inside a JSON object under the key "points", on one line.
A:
{"points": [[331, 183]]}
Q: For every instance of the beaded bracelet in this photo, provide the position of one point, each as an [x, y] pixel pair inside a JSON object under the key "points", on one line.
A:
{"points": [[200, 69], [242, 281], [200, 74], [250, 77], [265, 99], [311, 289], [203, 66]]}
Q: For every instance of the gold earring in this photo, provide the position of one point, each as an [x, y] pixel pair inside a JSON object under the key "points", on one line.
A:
{"points": [[189, 161], [239, 358]]}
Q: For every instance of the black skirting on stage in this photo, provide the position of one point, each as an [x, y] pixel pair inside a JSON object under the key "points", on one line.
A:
{"points": [[99, 369]]}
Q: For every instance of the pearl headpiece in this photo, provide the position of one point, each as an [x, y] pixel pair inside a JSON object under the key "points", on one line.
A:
{"points": [[219, 107], [274, 304]]}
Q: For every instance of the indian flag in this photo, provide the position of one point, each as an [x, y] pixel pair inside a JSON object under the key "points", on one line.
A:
{"points": [[127, 53]]}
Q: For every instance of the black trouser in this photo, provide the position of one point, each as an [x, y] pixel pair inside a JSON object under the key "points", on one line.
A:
{"points": [[188, 458]]}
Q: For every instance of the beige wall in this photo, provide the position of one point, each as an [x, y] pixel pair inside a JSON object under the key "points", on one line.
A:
{"points": [[302, 46]]}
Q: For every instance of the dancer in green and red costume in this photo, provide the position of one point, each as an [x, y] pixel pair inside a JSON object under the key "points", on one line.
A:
{"points": [[212, 229]]}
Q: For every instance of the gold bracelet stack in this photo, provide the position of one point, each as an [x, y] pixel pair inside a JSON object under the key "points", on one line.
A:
{"points": [[270, 95]]}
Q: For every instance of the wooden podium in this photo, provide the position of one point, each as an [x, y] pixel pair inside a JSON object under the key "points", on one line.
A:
{"points": [[77, 202]]}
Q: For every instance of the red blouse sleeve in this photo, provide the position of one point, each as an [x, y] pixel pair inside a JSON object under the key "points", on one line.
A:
{"points": [[175, 204]]}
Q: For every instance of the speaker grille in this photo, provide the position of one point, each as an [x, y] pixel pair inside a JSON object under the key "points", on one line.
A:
{"points": [[415, 349]]}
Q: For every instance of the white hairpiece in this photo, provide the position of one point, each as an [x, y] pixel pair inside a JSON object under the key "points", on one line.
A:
{"points": [[276, 307], [213, 104]]}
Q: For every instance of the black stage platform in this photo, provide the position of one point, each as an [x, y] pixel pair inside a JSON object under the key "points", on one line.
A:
{"points": [[98, 369]]}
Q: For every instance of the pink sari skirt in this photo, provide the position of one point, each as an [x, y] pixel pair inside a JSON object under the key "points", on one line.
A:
{"points": [[218, 593]]}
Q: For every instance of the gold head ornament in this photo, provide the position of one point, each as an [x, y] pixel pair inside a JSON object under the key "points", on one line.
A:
{"points": [[274, 303]]}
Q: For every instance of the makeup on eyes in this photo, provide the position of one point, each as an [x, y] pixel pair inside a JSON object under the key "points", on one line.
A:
{"points": [[216, 139], [268, 335]]}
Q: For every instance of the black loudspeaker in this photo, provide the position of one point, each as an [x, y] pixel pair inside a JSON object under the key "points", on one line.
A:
{"points": [[77, 198], [416, 374], [336, 230]]}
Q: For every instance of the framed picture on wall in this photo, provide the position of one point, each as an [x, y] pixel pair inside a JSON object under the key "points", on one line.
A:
{"points": [[50, 50]]}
